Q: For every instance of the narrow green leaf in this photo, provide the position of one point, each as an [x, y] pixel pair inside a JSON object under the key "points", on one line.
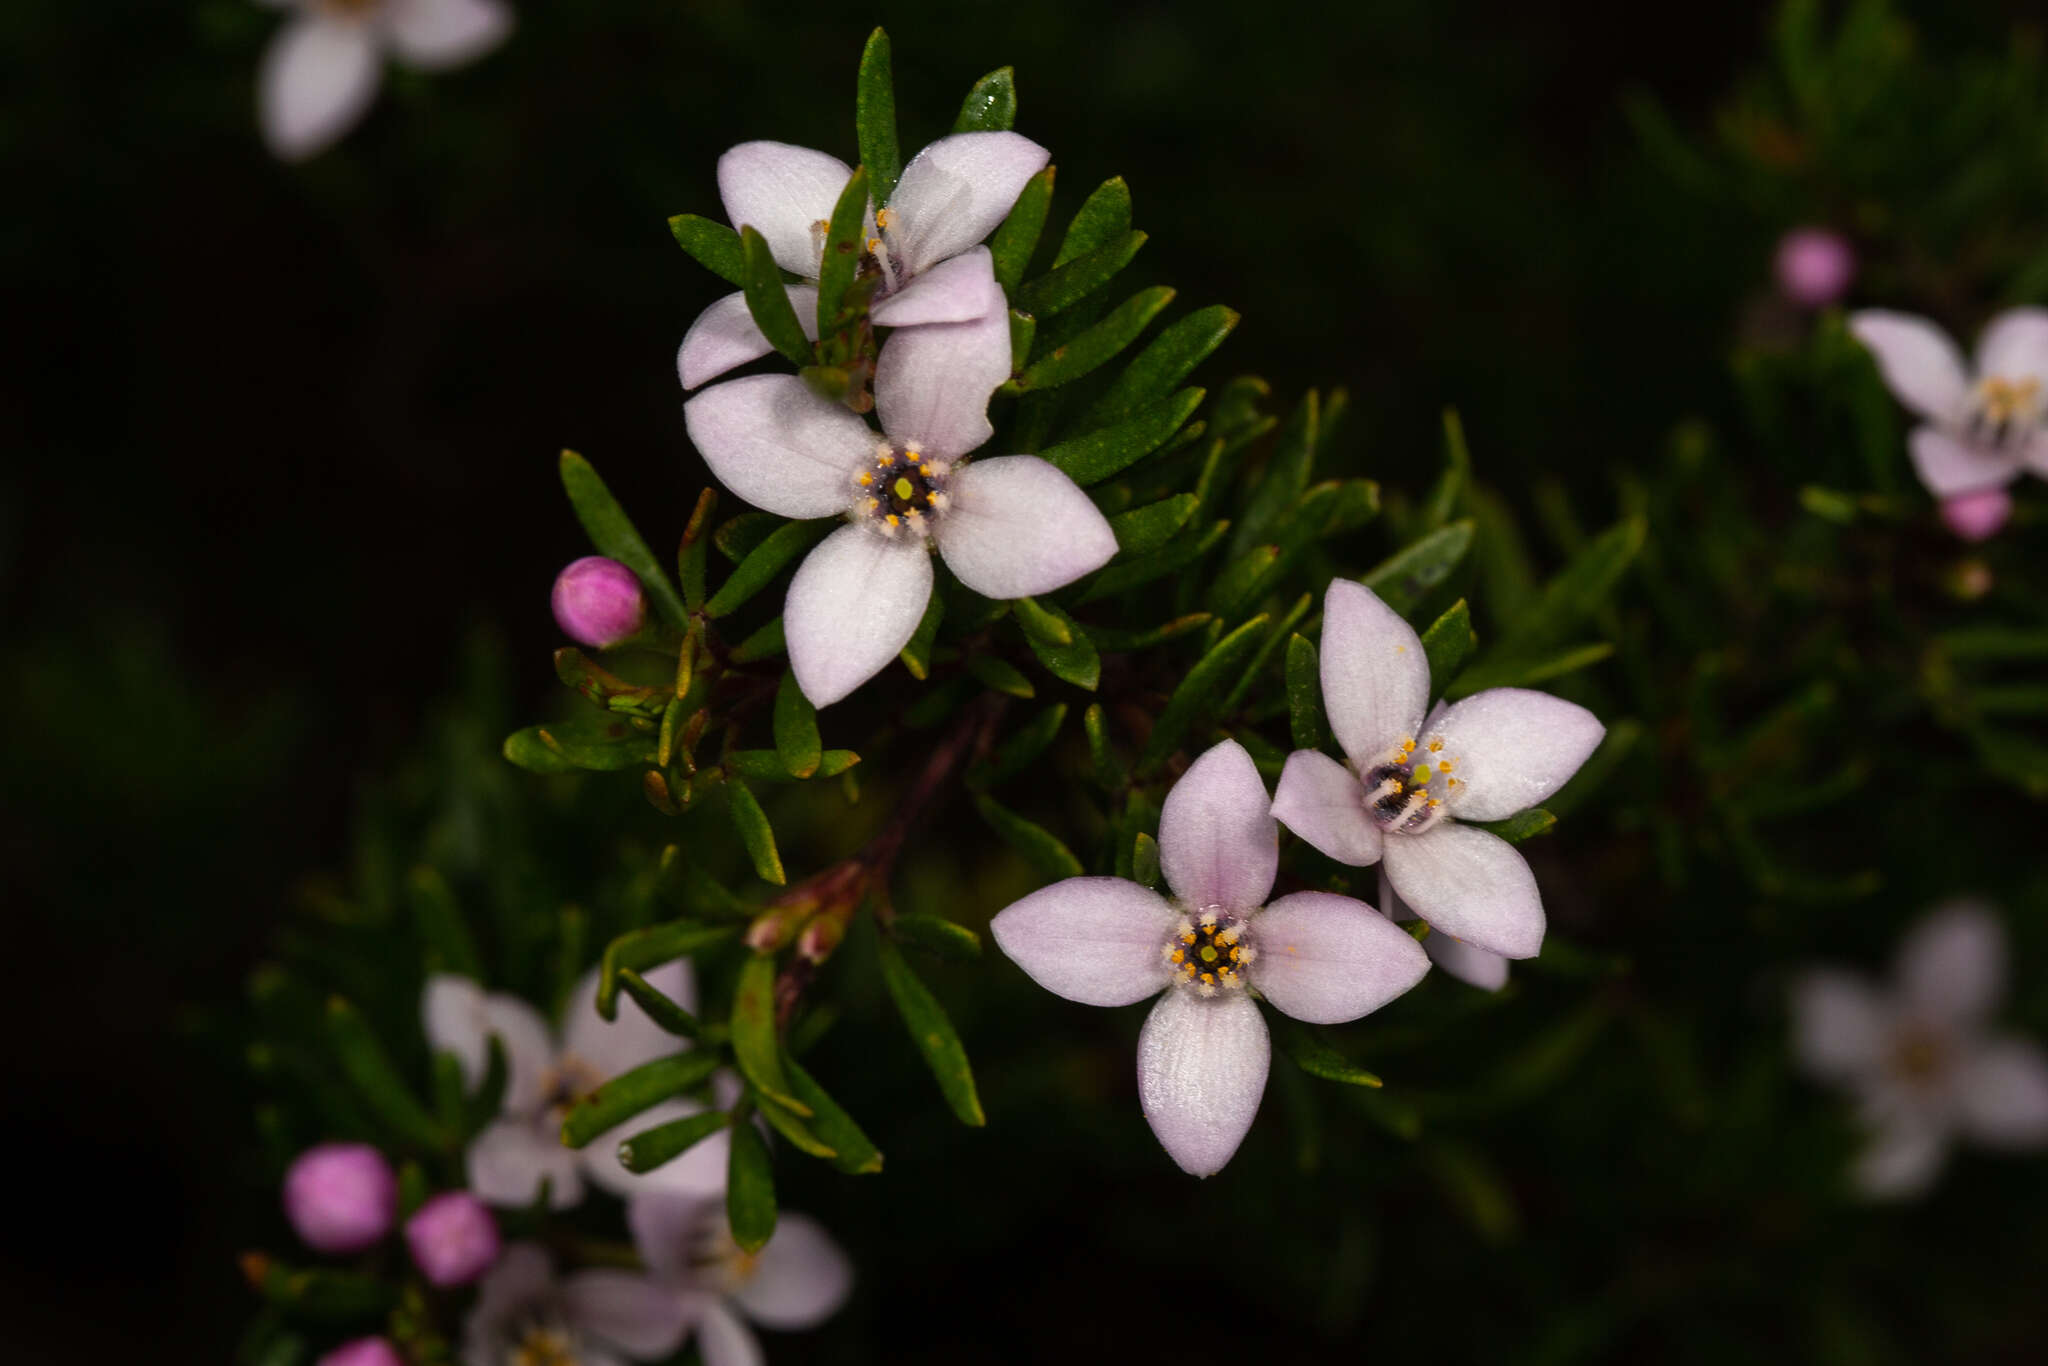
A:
{"points": [[1145, 860], [750, 1182], [1240, 583], [1161, 366], [1041, 624], [1109, 770], [736, 537], [1016, 753], [614, 535], [1170, 558], [716, 247], [1403, 577], [318, 1293], [1075, 662], [768, 300], [694, 554], [378, 1081], [764, 643], [1284, 479], [917, 655], [765, 765], [844, 245], [1144, 638], [1039, 846], [1012, 244], [756, 834], [1107, 451], [1099, 344], [1580, 589], [1143, 530], [1192, 703], [755, 1045], [1328, 509], [991, 106], [1526, 825], [936, 934], [1023, 332], [1067, 285], [650, 1148], [797, 1132], [1308, 1049], [629, 1093], [933, 1034], [1449, 642], [1102, 218], [854, 1153], [999, 675], [1281, 631], [450, 1101], [449, 947], [665, 1013], [796, 729], [1450, 485], [1526, 671], [651, 947]]}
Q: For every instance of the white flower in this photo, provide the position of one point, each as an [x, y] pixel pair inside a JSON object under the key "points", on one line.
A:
{"points": [[1472, 966], [322, 69], [1411, 782], [951, 195], [545, 1075], [1009, 527], [797, 1281], [1982, 428], [524, 1316], [1203, 1054], [1920, 1060]]}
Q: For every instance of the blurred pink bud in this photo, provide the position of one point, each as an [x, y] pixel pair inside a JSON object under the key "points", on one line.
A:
{"points": [[363, 1352], [598, 602], [1977, 516], [1815, 266], [453, 1238], [341, 1197]]}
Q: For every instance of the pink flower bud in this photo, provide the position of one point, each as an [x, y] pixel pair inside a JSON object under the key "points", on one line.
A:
{"points": [[598, 602], [363, 1352], [1814, 266], [341, 1197], [1977, 516], [453, 1238]]}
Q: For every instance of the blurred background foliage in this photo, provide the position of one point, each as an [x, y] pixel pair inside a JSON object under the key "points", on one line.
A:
{"points": [[282, 514]]}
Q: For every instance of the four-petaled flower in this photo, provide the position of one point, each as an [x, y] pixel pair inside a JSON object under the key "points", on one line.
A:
{"points": [[1920, 1060], [1413, 780], [322, 69], [924, 243], [1008, 527], [545, 1075], [1983, 428], [525, 1316], [1203, 1054]]}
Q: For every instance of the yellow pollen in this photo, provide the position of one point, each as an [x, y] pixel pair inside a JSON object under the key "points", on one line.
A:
{"points": [[1180, 956], [866, 479], [874, 503], [894, 520], [1435, 746], [904, 489], [1187, 939], [1450, 782], [1209, 977], [881, 218], [874, 245]]}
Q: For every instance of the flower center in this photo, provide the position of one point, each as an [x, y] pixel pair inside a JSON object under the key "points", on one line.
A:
{"points": [[569, 1080], [543, 1346], [1919, 1058], [1209, 952], [2005, 412], [901, 490], [1405, 792], [351, 9]]}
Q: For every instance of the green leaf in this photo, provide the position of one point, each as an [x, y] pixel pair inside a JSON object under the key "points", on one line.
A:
{"points": [[938, 935], [875, 123], [991, 106], [1107, 451], [376, 1079], [1309, 1049], [766, 766], [1526, 671], [1109, 770], [615, 537], [694, 554], [629, 1093], [331, 1296], [796, 729], [750, 1180], [933, 1033], [650, 1148], [1284, 479], [1098, 345], [737, 536], [1161, 366], [1448, 642], [1192, 703], [1012, 244], [1403, 577], [997, 673], [1016, 753], [755, 833], [665, 1013], [1102, 218], [798, 1133], [1145, 860], [1240, 583], [650, 948], [1281, 631], [1067, 285], [1109, 638], [765, 643], [768, 300], [1581, 588], [602, 743], [1170, 558], [449, 947], [716, 247], [1039, 846], [917, 654], [1075, 662], [1443, 496], [1023, 332], [755, 1044], [1526, 825], [854, 1153], [1143, 530], [1041, 624], [844, 245]]}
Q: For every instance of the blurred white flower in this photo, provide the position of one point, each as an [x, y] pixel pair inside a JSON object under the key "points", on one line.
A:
{"points": [[547, 1073], [1203, 1054], [324, 65], [1920, 1060], [525, 1316]]}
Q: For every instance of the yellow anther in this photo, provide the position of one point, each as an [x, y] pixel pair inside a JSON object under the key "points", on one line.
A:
{"points": [[1450, 782], [1435, 746], [874, 245], [1179, 956], [881, 218], [894, 520], [874, 504], [866, 479]]}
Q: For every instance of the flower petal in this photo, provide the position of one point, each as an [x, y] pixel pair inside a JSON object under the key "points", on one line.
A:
{"points": [[956, 191], [1511, 747], [1016, 527], [1918, 360], [611, 1047], [666, 1229], [953, 291], [854, 603], [514, 1284], [932, 383], [2004, 1095], [453, 1019], [1095, 940], [2015, 345], [1319, 799], [507, 1162], [436, 34], [723, 1338], [1218, 843], [635, 1313], [1471, 884], [800, 1279], [529, 1050], [1951, 967], [776, 444], [1375, 675], [699, 1172], [1474, 967], [319, 75], [781, 191], [1901, 1161], [724, 336], [1948, 465], [1201, 1070], [1841, 1027], [1327, 959]]}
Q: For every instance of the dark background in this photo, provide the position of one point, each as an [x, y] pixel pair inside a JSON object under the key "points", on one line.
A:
{"points": [[281, 437]]}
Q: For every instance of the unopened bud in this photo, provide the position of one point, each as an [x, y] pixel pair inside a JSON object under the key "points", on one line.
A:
{"points": [[341, 1197], [363, 1352], [1977, 516], [1814, 266], [598, 602], [453, 1238], [820, 938]]}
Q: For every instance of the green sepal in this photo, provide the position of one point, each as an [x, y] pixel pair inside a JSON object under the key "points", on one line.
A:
{"points": [[845, 243], [1062, 288], [991, 106], [1402, 578], [1012, 243], [1143, 530], [933, 1033], [377, 1079], [1107, 451], [1203, 689], [750, 1182], [756, 834], [631, 1092], [937, 935], [650, 1148], [755, 1044], [1102, 218], [853, 1152], [796, 729], [614, 535], [1040, 847], [715, 246], [875, 120], [1162, 365], [1449, 642]]}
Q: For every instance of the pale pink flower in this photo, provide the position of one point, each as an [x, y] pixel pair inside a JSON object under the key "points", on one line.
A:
{"points": [[324, 65], [453, 1238], [1470, 965], [953, 194], [1814, 266], [1010, 526], [1210, 948], [1920, 1060], [1977, 516], [1414, 777], [524, 1315]]}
